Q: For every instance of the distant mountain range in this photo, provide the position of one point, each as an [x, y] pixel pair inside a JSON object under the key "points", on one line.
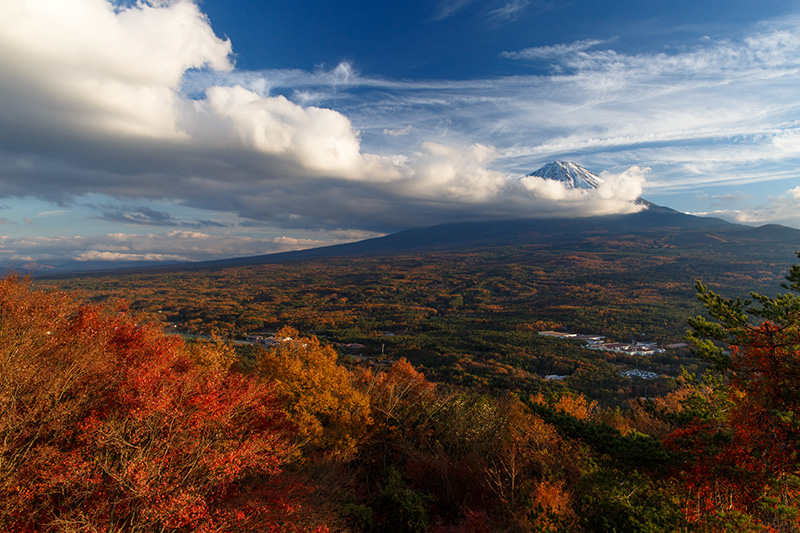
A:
{"points": [[655, 226], [40, 268], [662, 226]]}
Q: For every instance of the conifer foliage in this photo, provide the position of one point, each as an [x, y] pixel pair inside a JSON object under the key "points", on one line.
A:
{"points": [[744, 449], [108, 425]]}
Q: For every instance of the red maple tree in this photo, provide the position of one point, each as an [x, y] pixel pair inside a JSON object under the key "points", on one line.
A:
{"points": [[106, 424]]}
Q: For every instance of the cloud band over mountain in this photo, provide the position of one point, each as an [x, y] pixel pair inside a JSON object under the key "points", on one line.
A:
{"points": [[109, 118]]}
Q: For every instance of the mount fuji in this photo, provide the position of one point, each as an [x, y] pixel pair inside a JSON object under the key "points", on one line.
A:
{"points": [[573, 176]]}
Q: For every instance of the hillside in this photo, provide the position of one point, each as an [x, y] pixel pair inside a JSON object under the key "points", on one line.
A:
{"points": [[465, 301], [656, 227]]}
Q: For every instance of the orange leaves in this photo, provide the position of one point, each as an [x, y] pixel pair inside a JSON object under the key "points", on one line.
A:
{"points": [[576, 405], [403, 404], [554, 505], [400, 385]]}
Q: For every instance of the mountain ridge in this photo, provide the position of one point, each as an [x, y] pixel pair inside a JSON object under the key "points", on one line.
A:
{"points": [[655, 224]]}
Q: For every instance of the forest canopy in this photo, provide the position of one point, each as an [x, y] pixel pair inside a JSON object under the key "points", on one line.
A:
{"points": [[108, 423]]}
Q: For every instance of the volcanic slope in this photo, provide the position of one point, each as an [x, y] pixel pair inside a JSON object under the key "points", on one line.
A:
{"points": [[654, 227]]}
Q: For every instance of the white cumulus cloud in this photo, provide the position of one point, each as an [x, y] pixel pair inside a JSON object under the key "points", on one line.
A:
{"points": [[95, 105], [88, 66], [617, 193]]}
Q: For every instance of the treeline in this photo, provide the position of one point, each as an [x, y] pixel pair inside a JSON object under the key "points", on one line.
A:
{"points": [[107, 424]]}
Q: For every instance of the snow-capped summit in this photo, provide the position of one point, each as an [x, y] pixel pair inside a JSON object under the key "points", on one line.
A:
{"points": [[573, 176]]}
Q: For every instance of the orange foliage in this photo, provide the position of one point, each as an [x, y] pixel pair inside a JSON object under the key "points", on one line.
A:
{"points": [[403, 403], [576, 405], [400, 385], [554, 505], [573, 404], [650, 417]]}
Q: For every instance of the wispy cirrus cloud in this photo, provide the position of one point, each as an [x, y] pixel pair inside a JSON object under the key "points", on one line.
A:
{"points": [[510, 10], [448, 8], [773, 49], [498, 11], [556, 51]]}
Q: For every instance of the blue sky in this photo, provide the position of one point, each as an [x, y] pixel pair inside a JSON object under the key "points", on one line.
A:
{"points": [[175, 130]]}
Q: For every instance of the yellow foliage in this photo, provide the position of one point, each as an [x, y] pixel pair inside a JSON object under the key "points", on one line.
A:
{"points": [[212, 354], [331, 415]]}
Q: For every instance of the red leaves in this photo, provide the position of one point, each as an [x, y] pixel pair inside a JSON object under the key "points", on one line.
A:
{"points": [[107, 424], [746, 464]]}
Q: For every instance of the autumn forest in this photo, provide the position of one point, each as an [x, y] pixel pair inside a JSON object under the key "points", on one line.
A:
{"points": [[404, 394]]}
